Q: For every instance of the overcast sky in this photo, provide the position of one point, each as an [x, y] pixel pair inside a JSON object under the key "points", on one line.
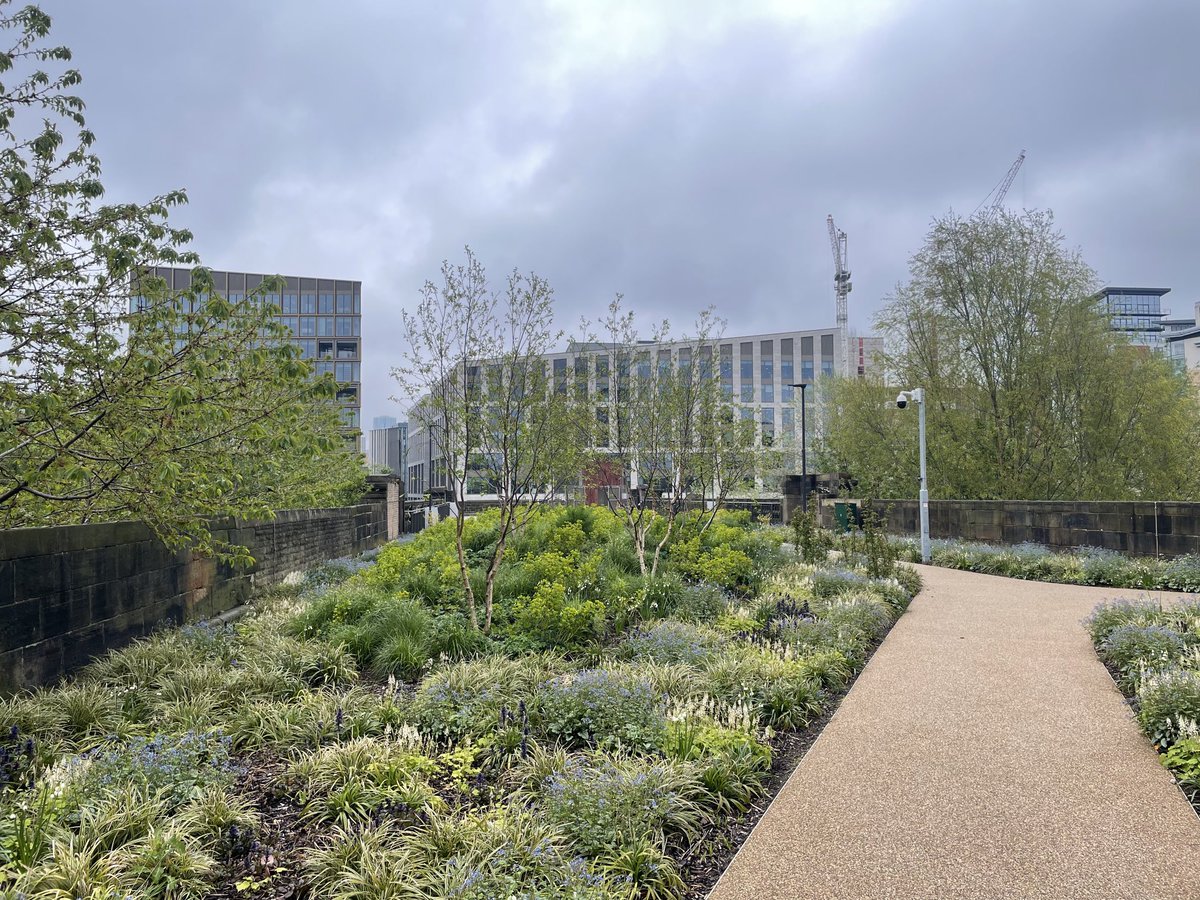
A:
{"points": [[683, 153]]}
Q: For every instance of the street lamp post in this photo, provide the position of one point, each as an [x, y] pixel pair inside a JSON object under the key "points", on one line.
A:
{"points": [[803, 385], [917, 396]]}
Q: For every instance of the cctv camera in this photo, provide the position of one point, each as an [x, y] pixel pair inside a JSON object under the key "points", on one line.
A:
{"points": [[902, 401]]}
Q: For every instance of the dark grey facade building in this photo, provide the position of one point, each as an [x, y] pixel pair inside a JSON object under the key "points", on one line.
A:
{"points": [[324, 315], [387, 449]]}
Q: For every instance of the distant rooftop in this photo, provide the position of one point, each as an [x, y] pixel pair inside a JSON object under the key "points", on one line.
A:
{"points": [[1132, 290]]}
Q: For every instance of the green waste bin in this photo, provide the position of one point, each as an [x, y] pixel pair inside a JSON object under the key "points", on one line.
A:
{"points": [[847, 516]]}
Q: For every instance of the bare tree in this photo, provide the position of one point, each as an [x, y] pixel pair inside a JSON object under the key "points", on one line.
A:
{"points": [[477, 363], [668, 431]]}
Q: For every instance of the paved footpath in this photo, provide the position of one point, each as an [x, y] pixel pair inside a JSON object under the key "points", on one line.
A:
{"points": [[983, 753]]}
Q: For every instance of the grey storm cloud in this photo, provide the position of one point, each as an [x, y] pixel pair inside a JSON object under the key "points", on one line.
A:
{"points": [[683, 153]]}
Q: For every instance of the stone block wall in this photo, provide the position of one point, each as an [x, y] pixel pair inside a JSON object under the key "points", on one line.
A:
{"points": [[1141, 528], [70, 593]]}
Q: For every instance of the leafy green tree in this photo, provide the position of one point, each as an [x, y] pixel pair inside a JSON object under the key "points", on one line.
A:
{"points": [[1031, 395], [185, 407]]}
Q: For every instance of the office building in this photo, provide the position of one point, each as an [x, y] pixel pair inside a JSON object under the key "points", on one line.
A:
{"points": [[384, 422], [1137, 313], [1183, 344], [325, 318], [756, 373], [387, 449]]}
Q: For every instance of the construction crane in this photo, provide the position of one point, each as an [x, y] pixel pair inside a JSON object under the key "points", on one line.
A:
{"points": [[999, 192], [841, 286]]}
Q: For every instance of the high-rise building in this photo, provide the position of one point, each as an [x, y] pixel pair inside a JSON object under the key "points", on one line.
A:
{"points": [[383, 422], [1183, 344], [756, 373], [1137, 313], [324, 315], [387, 449]]}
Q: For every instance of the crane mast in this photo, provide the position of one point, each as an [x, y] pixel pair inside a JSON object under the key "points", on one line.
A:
{"points": [[841, 286], [1000, 191]]}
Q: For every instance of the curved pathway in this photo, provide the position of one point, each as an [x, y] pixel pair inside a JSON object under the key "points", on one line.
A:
{"points": [[983, 753]]}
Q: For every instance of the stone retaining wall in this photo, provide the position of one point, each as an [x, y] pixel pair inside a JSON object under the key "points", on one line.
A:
{"points": [[1163, 528], [69, 594]]}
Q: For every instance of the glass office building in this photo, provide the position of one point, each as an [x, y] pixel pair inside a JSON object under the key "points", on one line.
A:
{"points": [[756, 372], [1137, 313], [324, 315]]}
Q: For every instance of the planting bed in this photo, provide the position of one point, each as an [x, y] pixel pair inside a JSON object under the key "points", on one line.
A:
{"points": [[1153, 653], [1084, 565], [354, 738]]}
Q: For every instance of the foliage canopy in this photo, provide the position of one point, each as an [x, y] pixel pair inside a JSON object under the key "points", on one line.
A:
{"points": [[1031, 395]]}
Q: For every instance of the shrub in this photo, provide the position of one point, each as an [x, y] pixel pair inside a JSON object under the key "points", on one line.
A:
{"points": [[646, 869], [172, 768], [603, 708], [670, 642], [1114, 614], [346, 784], [605, 803], [548, 619], [1169, 704], [700, 603], [464, 700], [1133, 648], [1183, 759], [167, 865], [1182, 574], [721, 564]]}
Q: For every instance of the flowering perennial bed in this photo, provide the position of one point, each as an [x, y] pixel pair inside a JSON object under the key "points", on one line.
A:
{"points": [[1083, 565], [1153, 652], [354, 738]]}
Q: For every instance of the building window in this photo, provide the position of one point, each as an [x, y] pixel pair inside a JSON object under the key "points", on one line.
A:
{"points": [[767, 370], [292, 323], [270, 300], [768, 426], [347, 327], [325, 326], [345, 304], [560, 376], [581, 377], [747, 371], [290, 305], [827, 354], [602, 377], [308, 326], [789, 424], [346, 371], [325, 304], [308, 304], [727, 370], [347, 349], [787, 370], [601, 426], [347, 394], [308, 349]]}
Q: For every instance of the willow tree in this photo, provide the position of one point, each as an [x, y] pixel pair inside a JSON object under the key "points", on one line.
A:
{"points": [[1030, 393], [183, 407]]}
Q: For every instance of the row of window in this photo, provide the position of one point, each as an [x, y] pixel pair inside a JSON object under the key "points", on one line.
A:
{"points": [[311, 349], [641, 363], [323, 326], [288, 304], [322, 304]]}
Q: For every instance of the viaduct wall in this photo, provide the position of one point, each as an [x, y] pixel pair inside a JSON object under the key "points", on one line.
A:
{"points": [[1144, 528], [68, 594]]}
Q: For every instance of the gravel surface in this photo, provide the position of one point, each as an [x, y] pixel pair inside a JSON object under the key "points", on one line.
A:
{"points": [[983, 753]]}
